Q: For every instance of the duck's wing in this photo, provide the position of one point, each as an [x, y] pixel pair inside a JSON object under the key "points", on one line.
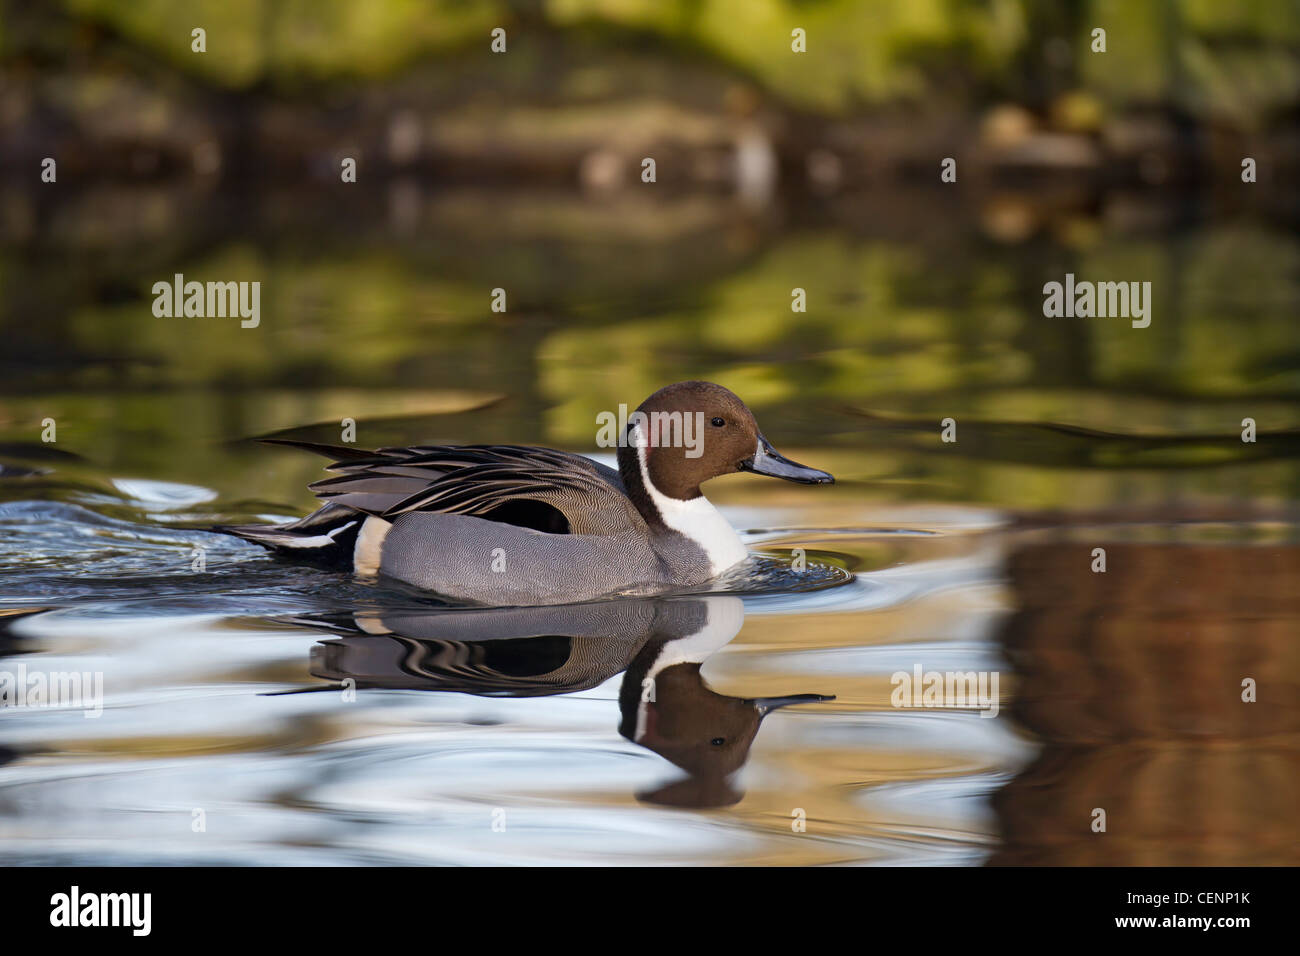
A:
{"points": [[538, 488]]}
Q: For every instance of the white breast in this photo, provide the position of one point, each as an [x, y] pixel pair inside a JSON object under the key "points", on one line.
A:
{"points": [[698, 520]]}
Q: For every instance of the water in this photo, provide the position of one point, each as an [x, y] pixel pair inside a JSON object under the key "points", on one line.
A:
{"points": [[303, 717]]}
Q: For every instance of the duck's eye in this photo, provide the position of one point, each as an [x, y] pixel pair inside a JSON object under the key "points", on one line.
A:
{"points": [[718, 423], [718, 741]]}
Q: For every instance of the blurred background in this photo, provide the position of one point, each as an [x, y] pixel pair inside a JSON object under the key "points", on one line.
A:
{"points": [[775, 170]]}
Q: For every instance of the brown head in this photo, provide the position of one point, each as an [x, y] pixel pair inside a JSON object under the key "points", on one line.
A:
{"points": [[693, 431]]}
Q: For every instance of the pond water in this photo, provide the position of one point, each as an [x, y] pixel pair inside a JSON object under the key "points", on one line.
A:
{"points": [[255, 711]]}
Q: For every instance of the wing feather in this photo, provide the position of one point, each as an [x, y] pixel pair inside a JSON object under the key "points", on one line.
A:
{"points": [[477, 480]]}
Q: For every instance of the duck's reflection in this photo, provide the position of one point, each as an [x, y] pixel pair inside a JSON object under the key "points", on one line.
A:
{"points": [[658, 644]]}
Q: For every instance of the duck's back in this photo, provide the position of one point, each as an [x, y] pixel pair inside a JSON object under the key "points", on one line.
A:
{"points": [[539, 488], [497, 524]]}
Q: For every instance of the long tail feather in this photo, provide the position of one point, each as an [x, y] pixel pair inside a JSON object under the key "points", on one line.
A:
{"points": [[327, 535]]}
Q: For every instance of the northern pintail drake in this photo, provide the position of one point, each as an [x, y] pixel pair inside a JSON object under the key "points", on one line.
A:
{"points": [[512, 525]]}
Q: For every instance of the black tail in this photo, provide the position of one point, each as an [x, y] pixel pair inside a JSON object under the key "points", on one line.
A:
{"points": [[326, 536]]}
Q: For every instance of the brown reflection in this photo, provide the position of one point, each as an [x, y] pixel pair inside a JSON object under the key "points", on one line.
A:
{"points": [[1132, 679], [668, 708], [661, 644]]}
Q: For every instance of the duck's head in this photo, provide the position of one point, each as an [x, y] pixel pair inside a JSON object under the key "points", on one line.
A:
{"points": [[687, 433]]}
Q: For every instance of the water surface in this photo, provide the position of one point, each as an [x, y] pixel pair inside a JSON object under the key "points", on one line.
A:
{"points": [[303, 717]]}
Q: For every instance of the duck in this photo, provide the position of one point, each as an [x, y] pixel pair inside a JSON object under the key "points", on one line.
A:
{"points": [[514, 525]]}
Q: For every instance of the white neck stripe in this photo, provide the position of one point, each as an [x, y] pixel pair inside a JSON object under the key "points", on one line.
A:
{"points": [[696, 519]]}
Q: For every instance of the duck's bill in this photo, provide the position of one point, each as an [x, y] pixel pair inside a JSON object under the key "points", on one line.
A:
{"points": [[768, 461], [767, 704]]}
